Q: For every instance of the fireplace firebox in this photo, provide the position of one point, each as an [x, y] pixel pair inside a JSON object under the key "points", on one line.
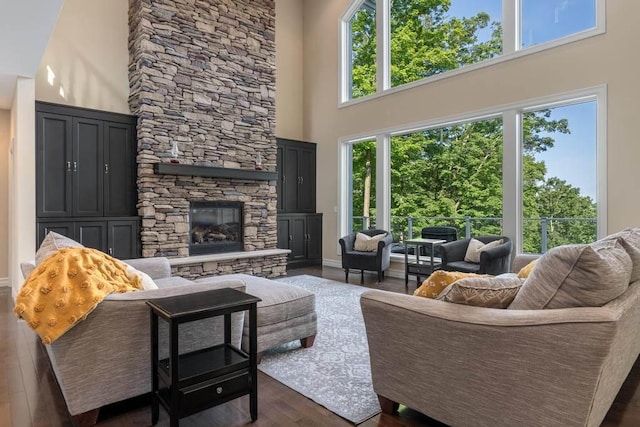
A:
{"points": [[216, 226]]}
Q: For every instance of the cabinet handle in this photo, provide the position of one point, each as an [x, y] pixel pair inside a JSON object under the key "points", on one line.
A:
{"points": [[302, 180], [68, 166], [290, 237], [75, 166], [219, 390], [106, 168], [284, 178], [110, 251]]}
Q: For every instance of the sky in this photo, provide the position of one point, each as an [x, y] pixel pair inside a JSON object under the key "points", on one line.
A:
{"points": [[573, 158]]}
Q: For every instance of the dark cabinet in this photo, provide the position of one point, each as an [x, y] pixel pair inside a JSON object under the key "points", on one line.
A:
{"points": [[86, 177], [296, 176], [302, 234]]}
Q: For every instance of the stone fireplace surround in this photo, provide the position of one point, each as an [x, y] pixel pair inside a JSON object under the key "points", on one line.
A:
{"points": [[202, 74]]}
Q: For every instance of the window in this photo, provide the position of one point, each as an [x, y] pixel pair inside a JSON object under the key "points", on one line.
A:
{"points": [[429, 38], [419, 40], [546, 20], [362, 184], [362, 52], [559, 176]]}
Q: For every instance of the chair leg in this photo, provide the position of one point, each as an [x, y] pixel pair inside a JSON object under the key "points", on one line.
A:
{"points": [[388, 406], [361, 277], [379, 276], [346, 275]]}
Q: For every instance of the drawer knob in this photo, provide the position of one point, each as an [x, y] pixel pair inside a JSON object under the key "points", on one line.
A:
{"points": [[219, 390]]}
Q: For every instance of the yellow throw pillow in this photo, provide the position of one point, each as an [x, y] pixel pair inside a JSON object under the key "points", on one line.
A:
{"points": [[66, 287], [526, 270], [439, 280]]}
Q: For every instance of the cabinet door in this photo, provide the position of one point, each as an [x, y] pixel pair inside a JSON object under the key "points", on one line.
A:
{"points": [[87, 167], [123, 239], [307, 184], [314, 236], [283, 232], [291, 179], [298, 241], [92, 234], [280, 190], [53, 165], [119, 170], [64, 228]]}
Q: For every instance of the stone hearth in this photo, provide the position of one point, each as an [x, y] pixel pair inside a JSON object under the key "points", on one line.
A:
{"points": [[202, 74]]}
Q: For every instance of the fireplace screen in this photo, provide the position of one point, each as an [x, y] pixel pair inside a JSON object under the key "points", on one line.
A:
{"points": [[215, 227]]}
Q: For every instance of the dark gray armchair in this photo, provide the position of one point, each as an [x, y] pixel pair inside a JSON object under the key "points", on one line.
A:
{"points": [[371, 261], [492, 261]]}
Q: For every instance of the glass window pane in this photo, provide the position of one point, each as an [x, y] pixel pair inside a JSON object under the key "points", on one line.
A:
{"points": [[545, 20], [429, 38], [362, 57], [559, 177], [448, 176], [362, 212]]}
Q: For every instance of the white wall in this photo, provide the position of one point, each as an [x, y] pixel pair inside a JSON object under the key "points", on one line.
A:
{"points": [[88, 53], [605, 59], [289, 72], [5, 139], [22, 181]]}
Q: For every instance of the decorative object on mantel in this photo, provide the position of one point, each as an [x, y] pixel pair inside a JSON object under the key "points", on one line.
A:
{"points": [[175, 152], [214, 172], [259, 161]]}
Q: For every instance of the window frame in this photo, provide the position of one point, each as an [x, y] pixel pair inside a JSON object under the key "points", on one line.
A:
{"points": [[511, 40]]}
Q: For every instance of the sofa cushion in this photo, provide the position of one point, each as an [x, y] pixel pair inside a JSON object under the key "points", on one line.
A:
{"points": [[366, 243], [467, 267], [52, 243], [576, 276], [476, 247], [438, 281], [630, 241], [169, 282], [489, 292]]}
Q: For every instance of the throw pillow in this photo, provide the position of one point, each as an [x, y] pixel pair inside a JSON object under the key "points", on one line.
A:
{"points": [[145, 280], [52, 243], [366, 243], [439, 280], [488, 292], [576, 276], [476, 247], [630, 241], [527, 269]]}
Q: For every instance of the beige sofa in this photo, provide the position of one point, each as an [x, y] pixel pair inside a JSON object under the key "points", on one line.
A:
{"points": [[472, 366]]}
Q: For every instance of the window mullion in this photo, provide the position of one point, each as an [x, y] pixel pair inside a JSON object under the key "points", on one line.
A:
{"points": [[510, 26], [512, 178], [383, 48], [383, 182]]}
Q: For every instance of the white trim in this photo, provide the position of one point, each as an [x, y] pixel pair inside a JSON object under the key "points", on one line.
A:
{"points": [[344, 101], [511, 177], [601, 165], [390, 272], [4, 282], [226, 256]]}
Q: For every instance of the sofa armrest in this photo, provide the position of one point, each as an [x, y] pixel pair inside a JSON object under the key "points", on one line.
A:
{"points": [[453, 251], [507, 367], [155, 267]]}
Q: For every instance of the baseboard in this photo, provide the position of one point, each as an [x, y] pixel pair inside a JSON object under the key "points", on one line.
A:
{"points": [[391, 272], [4, 281]]}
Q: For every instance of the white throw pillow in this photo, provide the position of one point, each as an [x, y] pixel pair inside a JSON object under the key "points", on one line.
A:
{"points": [[366, 243], [146, 280], [476, 247], [52, 243]]}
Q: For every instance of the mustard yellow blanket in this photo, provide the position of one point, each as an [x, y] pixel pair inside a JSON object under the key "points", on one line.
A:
{"points": [[67, 286]]}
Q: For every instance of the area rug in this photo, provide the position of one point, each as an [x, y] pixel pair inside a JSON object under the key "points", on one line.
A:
{"points": [[335, 372]]}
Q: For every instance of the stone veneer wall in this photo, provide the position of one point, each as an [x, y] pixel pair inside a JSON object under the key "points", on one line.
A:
{"points": [[202, 73]]}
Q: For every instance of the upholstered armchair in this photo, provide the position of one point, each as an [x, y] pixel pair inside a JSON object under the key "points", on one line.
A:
{"points": [[496, 260], [377, 260]]}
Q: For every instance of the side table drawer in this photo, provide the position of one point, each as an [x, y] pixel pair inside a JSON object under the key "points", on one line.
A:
{"points": [[201, 396]]}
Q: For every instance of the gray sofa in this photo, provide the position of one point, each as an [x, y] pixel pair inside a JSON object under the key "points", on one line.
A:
{"points": [[106, 357], [465, 365]]}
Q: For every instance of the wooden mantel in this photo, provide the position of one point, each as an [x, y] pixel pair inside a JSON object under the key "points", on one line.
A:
{"points": [[214, 172]]}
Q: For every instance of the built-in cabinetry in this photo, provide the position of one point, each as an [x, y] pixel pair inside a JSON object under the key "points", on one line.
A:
{"points": [[86, 178], [299, 226]]}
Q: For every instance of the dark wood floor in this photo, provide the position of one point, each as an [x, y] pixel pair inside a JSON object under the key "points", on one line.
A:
{"points": [[29, 395]]}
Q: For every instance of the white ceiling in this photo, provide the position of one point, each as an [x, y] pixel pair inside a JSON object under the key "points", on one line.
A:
{"points": [[25, 28]]}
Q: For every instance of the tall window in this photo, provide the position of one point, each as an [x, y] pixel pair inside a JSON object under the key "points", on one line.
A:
{"points": [[546, 20], [559, 176], [443, 175], [362, 179], [362, 55], [433, 37]]}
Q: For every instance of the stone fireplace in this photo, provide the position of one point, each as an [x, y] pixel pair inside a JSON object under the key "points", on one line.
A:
{"points": [[202, 79], [215, 227]]}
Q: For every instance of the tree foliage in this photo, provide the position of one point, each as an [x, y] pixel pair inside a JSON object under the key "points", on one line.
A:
{"points": [[456, 171]]}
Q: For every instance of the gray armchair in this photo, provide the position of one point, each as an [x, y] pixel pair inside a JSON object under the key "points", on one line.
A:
{"points": [[371, 261], [492, 261]]}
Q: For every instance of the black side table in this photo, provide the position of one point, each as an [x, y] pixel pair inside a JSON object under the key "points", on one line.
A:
{"points": [[191, 382]]}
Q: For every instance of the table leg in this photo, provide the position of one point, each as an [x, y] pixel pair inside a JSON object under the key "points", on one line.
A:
{"points": [[155, 406], [253, 348]]}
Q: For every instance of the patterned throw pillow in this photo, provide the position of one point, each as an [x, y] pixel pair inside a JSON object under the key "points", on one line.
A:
{"points": [[527, 269], [488, 292], [439, 280], [366, 243], [476, 247], [52, 244], [576, 276]]}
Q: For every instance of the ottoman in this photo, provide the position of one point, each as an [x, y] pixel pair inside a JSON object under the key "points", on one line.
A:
{"points": [[286, 313]]}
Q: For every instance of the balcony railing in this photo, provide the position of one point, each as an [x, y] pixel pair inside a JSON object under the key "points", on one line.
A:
{"points": [[540, 234]]}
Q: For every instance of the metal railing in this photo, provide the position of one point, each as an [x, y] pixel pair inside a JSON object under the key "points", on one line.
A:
{"points": [[551, 231]]}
